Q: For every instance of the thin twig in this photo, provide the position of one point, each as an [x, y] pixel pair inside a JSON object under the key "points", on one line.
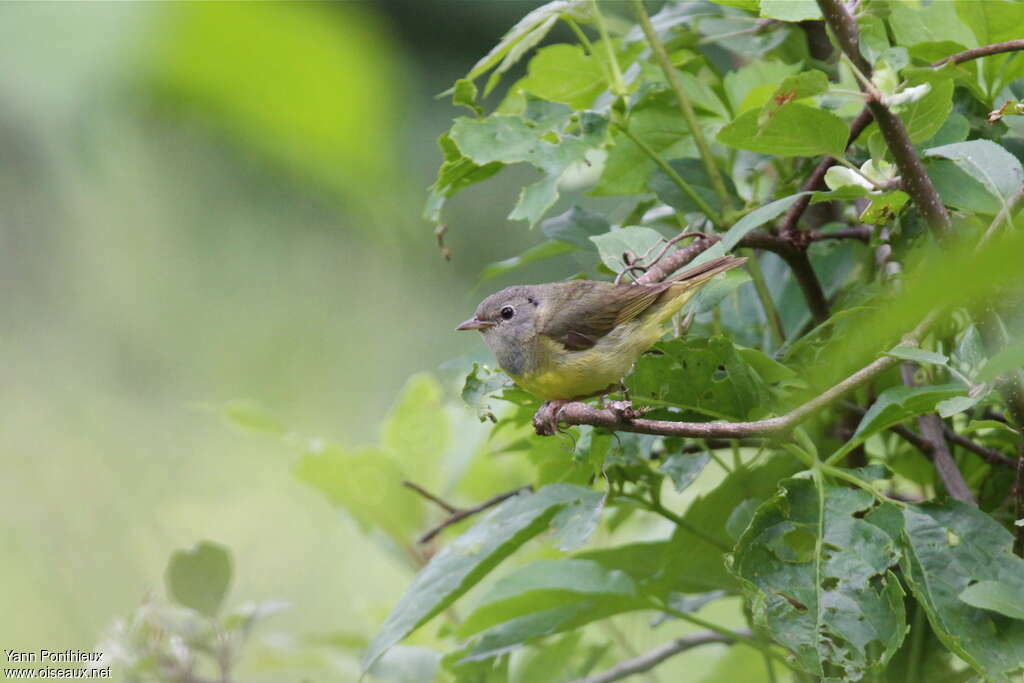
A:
{"points": [[458, 514], [652, 658], [983, 51], [665, 62]]}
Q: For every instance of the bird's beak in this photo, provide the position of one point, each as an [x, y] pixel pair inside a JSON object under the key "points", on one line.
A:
{"points": [[475, 324]]}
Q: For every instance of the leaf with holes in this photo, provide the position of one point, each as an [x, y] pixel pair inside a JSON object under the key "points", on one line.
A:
{"points": [[815, 568]]}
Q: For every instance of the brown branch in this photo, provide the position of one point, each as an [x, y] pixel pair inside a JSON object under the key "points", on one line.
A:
{"points": [[858, 232], [983, 51], [989, 455], [652, 658], [458, 514]]}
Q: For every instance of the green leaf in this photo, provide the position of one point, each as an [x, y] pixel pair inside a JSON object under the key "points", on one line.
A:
{"points": [[576, 523], [750, 86], [611, 245], [745, 225], [1009, 358], [924, 117], [791, 10], [538, 252], [576, 226], [912, 353], [251, 416], [566, 74], [656, 121], [696, 175], [957, 404], [949, 547], [456, 172], [884, 208], [417, 431], [961, 190], [367, 484], [198, 578], [708, 376], [933, 23], [470, 557], [996, 597], [794, 130], [527, 33], [545, 584], [692, 563], [900, 403], [815, 569], [793, 88], [683, 468], [990, 164], [991, 22], [464, 95]]}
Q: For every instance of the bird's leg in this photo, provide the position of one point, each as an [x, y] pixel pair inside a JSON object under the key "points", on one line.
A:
{"points": [[545, 421], [624, 408]]}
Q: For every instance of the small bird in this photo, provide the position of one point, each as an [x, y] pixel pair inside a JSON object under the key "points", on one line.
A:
{"points": [[565, 341]]}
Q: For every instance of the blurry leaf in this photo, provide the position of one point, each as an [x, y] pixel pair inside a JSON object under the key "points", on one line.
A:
{"points": [[748, 5], [470, 557], [949, 547], [251, 612], [531, 627], [995, 596], [961, 190], [576, 226], [793, 88], [367, 484], [683, 468], [553, 661], [281, 77], [991, 22], [693, 564], [794, 130], [576, 523], [884, 208], [479, 386], [252, 416], [530, 30], [566, 74], [656, 121], [545, 584], [912, 353], [816, 571], [924, 117], [1010, 357], [957, 404], [611, 245], [404, 663], [769, 369], [417, 431], [538, 252], [198, 578], [995, 168], [791, 10], [743, 663], [714, 292]]}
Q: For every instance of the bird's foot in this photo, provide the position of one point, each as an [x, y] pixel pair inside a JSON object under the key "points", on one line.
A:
{"points": [[625, 410], [545, 420]]}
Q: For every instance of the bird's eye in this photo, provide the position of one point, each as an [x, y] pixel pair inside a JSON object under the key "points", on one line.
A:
{"points": [[507, 312]]}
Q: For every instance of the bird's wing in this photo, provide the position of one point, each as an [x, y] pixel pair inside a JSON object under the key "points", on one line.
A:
{"points": [[583, 311]]}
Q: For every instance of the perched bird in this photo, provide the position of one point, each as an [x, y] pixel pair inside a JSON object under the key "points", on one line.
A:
{"points": [[564, 341]]}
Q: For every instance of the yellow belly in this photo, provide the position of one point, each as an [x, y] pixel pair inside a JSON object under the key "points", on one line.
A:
{"points": [[564, 375]]}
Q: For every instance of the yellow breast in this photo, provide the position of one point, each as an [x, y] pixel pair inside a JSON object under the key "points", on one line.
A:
{"points": [[563, 375]]}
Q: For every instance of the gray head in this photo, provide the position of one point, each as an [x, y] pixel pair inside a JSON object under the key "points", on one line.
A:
{"points": [[507, 321]]}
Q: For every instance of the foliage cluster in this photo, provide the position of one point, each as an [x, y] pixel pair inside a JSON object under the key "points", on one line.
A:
{"points": [[871, 538]]}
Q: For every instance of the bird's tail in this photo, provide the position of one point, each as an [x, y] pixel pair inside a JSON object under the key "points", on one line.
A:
{"points": [[686, 284]]}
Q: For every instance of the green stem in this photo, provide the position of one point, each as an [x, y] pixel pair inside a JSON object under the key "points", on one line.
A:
{"points": [[618, 86], [765, 297], [851, 479], [721, 630], [684, 104], [673, 176]]}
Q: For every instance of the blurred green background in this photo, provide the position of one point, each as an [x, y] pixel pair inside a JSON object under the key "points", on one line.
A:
{"points": [[203, 202]]}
